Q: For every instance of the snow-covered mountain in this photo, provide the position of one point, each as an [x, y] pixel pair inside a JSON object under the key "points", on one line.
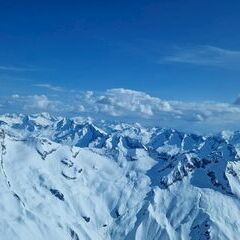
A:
{"points": [[74, 179]]}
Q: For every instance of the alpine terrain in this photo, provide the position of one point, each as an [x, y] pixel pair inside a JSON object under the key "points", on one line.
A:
{"points": [[76, 179]]}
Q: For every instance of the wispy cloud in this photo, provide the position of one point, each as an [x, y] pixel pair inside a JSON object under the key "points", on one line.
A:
{"points": [[206, 56], [16, 69], [49, 87]]}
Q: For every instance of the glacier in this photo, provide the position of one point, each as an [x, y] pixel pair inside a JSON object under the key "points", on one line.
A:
{"points": [[73, 179]]}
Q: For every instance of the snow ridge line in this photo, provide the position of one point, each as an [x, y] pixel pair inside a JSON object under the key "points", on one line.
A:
{"points": [[3, 152]]}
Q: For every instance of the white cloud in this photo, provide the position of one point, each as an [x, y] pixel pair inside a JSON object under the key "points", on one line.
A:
{"points": [[124, 102], [205, 55], [129, 105], [40, 102], [137, 106], [15, 96], [30, 103]]}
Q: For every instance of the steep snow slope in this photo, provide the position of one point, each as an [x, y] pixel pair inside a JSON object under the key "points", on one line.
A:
{"points": [[73, 179]]}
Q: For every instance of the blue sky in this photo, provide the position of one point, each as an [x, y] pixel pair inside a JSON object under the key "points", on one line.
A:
{"points": [[172, 49], [171, 63]]}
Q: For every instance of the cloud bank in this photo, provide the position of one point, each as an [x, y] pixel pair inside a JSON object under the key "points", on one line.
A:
{"points": [[130, 106]]}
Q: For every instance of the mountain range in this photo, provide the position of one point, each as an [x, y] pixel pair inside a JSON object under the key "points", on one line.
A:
{"points": [[77, 179]]}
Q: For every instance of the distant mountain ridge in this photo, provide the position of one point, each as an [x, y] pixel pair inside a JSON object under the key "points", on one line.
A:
{"points": [[73, 178]]}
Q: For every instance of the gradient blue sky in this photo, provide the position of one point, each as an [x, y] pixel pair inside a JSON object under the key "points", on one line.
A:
{"points": [[173, 49]]}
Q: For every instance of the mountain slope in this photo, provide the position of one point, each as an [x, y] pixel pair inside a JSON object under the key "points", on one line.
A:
{"points": [[74, 179]]}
